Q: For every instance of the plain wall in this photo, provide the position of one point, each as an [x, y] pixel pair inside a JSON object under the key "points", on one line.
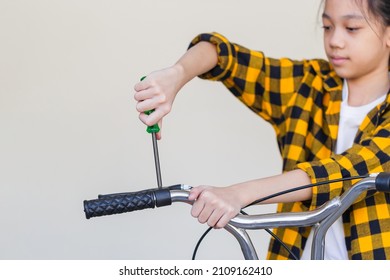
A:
{"points": [[69, 129]]}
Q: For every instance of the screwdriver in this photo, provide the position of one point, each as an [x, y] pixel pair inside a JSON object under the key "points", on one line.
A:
{"points": [[154, 129]]}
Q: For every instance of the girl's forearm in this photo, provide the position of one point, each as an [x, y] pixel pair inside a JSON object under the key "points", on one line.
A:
{"points": [[250, 191], [197, 60]]}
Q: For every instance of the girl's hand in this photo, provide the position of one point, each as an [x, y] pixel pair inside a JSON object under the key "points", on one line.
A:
{"points": [[216, 206], [157, 91]]}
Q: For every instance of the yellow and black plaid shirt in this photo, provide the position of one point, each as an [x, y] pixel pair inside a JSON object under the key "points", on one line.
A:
{"points": [[301, 100]]}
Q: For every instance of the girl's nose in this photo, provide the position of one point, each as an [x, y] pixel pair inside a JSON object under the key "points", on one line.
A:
{"points": [[336, 39]]}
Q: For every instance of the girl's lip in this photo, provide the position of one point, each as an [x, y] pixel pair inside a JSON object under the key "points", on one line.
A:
{"points": [[338, 60]]}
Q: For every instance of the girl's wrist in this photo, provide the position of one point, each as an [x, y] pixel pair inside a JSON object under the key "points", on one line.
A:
{"points": [[181, 74], [244, 197]]}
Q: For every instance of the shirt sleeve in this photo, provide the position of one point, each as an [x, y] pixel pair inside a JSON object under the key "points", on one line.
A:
{"points": [[371, 154], [263, 84]]}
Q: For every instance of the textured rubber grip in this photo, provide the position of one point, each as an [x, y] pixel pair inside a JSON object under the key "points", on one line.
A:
{"points": [[119, 204], [382, 182]]}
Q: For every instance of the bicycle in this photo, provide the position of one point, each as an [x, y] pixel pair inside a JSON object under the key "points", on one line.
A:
{"points": [[320, 219]]}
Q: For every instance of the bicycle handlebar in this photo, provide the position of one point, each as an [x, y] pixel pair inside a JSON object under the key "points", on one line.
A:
{"points": [[133, 201], [322, 217], [382, 182]]}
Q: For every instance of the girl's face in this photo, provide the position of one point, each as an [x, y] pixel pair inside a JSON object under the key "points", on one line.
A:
{"points": [[356, 44]]}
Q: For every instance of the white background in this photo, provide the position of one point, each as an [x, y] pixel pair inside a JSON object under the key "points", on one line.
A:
{"points": [[69, 129]]}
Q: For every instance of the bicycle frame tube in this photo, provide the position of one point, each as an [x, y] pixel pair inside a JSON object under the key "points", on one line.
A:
{"points": [[247, 248], [240, 234], [297, 219], [344, 201], [238, 225]]}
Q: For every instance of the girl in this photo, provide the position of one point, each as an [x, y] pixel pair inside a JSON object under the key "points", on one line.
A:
{"points": [[332, 120]]}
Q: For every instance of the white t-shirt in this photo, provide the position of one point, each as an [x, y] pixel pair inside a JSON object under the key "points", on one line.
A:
{"points": [[350, 120]]}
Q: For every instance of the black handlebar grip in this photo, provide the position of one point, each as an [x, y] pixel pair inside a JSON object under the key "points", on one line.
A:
{"points": [[382, 182], [119, 204]]}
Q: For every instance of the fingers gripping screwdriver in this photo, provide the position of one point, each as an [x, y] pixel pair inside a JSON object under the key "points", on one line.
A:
{"points": [[154, 129]]}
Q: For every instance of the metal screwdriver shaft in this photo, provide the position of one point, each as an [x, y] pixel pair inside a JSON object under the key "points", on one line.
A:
{"points": [[154, 129], [156, 161]]}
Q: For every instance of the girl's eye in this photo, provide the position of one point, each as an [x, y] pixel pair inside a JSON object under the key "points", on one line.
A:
{"points": [[352, 29], [326, 27]]}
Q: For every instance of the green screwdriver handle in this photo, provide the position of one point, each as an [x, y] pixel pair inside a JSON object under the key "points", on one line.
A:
{"points": [[153, 128]]}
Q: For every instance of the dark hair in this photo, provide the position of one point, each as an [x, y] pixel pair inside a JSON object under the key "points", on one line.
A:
{"points": [[380, 9]]}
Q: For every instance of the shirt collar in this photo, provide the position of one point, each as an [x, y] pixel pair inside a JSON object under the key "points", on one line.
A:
{"points": [[333, 84]]}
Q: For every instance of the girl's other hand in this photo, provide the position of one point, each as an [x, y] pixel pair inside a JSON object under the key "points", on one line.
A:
{"points": [[216, 206]]}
